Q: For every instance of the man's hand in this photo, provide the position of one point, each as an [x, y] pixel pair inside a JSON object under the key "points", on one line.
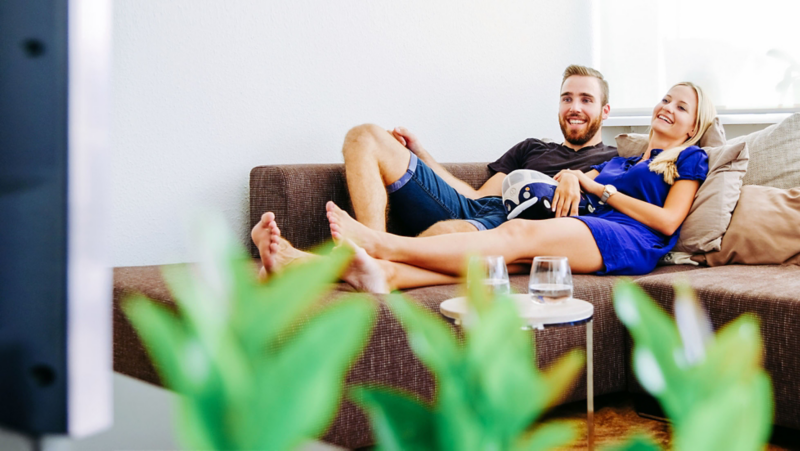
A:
{"points": [[407, 139], [567, 197]]}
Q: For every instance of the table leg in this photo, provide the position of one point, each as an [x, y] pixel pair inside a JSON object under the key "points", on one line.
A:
{"points": [[589, 386]]}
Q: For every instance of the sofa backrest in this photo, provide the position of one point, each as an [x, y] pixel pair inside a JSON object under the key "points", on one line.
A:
{"points": [[297, 195]]}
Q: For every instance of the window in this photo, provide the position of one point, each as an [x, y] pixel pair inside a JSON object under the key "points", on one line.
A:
{"points": [[745, 55]]}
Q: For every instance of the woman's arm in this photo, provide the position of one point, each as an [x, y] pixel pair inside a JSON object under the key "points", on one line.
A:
{"points": [[567, 197], [664, 219]]}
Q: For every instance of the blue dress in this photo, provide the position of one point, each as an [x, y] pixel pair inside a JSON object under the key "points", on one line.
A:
{"points": [[627, 246]]}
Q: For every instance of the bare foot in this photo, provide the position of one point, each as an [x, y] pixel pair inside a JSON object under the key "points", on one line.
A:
{"points": [[365, 273], [274, 250], [344, 227]]}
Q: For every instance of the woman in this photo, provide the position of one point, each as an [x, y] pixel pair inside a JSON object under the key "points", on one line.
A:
{"points": [[645, 200]]}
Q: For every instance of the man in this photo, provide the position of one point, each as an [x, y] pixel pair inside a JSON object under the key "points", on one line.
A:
{"points": [[394, 168]]}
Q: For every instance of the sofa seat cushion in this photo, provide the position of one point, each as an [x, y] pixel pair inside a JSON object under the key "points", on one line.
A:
{"points": [[771, 292]]}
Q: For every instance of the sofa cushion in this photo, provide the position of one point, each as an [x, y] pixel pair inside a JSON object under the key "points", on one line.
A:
{"points": [[772, 293], [714, 202], [765, 229], [774, 154]]}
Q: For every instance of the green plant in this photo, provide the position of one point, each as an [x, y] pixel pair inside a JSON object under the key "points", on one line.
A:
{"points": [[712, 388], [489, 391], [255, 362]]}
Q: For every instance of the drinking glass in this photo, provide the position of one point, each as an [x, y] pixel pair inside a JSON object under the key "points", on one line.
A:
{"points": [[551, 280], [493, 273]]}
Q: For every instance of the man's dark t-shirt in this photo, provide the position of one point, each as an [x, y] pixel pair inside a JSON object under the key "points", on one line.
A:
{"points": [[550, 157]]}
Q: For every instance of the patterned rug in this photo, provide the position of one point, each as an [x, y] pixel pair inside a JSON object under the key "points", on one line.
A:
{"points": [[616, 419]]}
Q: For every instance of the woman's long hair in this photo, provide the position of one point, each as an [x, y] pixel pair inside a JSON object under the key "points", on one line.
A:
{"points": [[665, 162]]}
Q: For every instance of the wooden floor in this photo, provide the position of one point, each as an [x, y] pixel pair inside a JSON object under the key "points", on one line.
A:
{"points": [[616, 419]]}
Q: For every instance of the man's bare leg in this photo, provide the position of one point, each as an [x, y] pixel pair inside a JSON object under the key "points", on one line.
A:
{"points": [[274, 250], [449, 226], [364, 273], [373, 159]]}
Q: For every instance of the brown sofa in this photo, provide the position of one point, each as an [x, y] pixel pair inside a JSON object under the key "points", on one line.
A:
{"points": [[297, 194]]}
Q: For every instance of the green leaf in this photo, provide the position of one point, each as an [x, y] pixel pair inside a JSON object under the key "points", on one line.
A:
{"points": [[636, 443], [429, 336], [310, 371], [164, 337], [502, 357], [196, 429], [736, 353], [399, 422], [560, 376], [723, 402], [745, 408], [477, 293], [548, 436], [288, 294], [657, 344]]}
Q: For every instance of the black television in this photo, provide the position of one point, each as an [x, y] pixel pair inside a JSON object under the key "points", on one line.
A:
{"points": [[55, 284]]}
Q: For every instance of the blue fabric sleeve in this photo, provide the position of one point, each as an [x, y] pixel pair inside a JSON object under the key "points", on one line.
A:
{"points": [[599, 167], [692, 164]]}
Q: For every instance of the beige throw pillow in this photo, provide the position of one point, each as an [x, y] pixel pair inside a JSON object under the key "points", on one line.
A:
{"points": [[715, 200], [774, 154], [764, 229], [634, 144]]}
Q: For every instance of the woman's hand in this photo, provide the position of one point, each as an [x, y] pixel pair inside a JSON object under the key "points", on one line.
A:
{"points": [[586, 180], [567, 197]]}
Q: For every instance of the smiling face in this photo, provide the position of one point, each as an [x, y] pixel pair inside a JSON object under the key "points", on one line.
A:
{"points": [[674, 117], [580, 112]]}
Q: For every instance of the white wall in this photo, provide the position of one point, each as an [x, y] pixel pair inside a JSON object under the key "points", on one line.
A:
{"points": [[204, 90]]}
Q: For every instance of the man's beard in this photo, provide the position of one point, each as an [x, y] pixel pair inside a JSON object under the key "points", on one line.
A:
{"points": [[576, 137]]}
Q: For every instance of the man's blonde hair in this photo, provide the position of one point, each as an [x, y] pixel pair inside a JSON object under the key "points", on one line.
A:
{"points": [[588, 72], [665, 163]]}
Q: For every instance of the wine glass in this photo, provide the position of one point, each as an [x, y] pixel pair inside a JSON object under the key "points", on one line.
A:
{"points": [[551, 280], [493, 273]]}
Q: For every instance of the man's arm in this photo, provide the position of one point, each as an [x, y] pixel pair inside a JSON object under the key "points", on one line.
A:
{"points": [[567, 197], [492, 187]]}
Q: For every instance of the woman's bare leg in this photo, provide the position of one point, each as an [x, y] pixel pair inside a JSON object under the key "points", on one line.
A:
{"points": [[517, 240]]}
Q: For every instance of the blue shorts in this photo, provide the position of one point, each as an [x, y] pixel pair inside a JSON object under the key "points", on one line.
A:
{"points": [[421, 198]]}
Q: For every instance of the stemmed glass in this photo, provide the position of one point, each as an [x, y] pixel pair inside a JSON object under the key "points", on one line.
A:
{"points": [[493, 273], [551, 280]]}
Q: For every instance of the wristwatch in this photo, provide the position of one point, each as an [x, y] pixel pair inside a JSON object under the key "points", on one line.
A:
{"points": [[608, 191]]}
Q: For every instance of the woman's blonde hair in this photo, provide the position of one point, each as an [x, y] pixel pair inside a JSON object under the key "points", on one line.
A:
{"points": [[665, 163]]}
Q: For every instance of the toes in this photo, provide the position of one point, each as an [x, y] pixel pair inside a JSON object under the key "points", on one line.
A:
{"points": [[274, 230], [333, 208]]}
